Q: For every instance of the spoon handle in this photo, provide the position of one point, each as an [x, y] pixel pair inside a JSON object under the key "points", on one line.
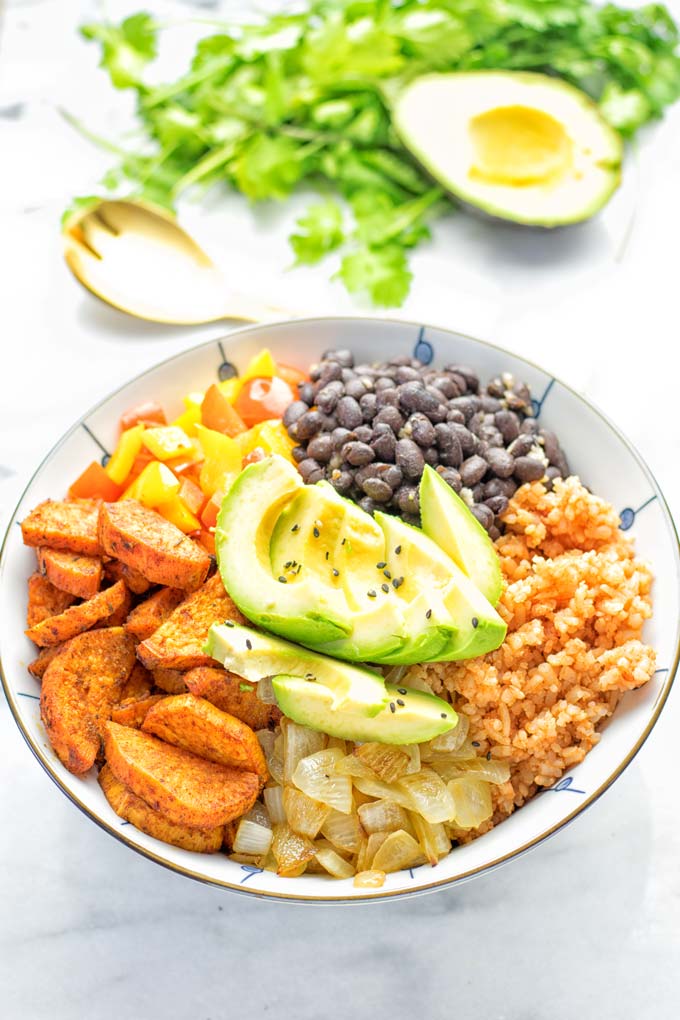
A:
{"points": [[251, 310]]}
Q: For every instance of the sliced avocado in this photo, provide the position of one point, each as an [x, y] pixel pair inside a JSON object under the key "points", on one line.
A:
{"points": [[447, 521], [434, 585], [332, 538], [254, 655], [410, 717], [307, 610], [524, 147]]}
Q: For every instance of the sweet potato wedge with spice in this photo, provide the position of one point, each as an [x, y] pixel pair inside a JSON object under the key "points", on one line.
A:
{"points": [[133, 809], [71, 526], [72, 572], [169, 680], [232, 694], [152, 612], [117, 571], [196, 725], [79, 618], [133, 713], [154, 547], [122, 609], [178, 643], [186, 789], [79, 688], [138, 685], [44, 600], [39, 665]]}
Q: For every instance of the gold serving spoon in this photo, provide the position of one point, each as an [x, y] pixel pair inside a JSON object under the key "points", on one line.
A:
{"points": [[136, 257]]}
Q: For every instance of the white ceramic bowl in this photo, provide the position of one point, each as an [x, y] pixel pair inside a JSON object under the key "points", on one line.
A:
{"points": [[597, 452]]}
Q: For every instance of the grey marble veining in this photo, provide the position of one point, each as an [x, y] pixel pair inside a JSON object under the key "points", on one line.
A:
{"points": [[587, 925]]}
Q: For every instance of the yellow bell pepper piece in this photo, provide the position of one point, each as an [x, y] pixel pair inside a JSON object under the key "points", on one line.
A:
{"points": [[188, 420], [222, 460], [155, 485], [123, 457], [231, 388], [262, 365], [271, 435], [167, 441], [177, 512], [193, 400]]}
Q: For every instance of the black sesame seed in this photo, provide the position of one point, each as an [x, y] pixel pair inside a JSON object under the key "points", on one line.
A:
{"points": [[398, 550], [401, 690], [385, 587], [229, 623], [443, 715], [475, 621], [397, 582], [299, 568], [249, 644], [393, 707], [336, 572], [309, 676], [387, 575], [372, 594], [343, 541], [288, 564], [400, 702], [327, 554], [296, 527], [428, 614], [381, 565], [316, 532], [283, 580], [475, 743], [488, 755]]}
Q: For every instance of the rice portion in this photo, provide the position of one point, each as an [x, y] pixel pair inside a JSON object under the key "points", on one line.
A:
{"points": [[575, 601]]}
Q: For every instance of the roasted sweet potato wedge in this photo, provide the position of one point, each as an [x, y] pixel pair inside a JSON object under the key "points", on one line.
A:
{"points": [[169, 680], [232, 694], [69, 526], [133, 809], [196, 725], [153, 546], [138, 685], [72, 572], [79, 618], [133, 713], [44, 600], [178, 643], [186, 789], [150, 614], [115, 570], [123, 605], [39, 665], [79, 688]]}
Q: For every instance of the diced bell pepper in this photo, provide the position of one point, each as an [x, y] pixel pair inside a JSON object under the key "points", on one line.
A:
{"points": [[123, 457], [177, 512], [154, 486], [222, 460], [218, 414], [94, 483], [167, 442]]}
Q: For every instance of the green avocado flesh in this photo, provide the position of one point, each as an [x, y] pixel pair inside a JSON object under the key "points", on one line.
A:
{"points": [[410, 717], [447, 521], [254, 655], [523, 147], [307, 564]]}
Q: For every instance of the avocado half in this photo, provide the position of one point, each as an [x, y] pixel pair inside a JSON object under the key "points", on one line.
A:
{"points": [[523, 147]]}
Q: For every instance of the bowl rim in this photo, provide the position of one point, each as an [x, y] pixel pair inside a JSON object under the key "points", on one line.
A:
{"points": [[369, 896]]}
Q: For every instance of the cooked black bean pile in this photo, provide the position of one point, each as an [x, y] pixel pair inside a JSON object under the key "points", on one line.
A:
{"points": [[370, 430]]}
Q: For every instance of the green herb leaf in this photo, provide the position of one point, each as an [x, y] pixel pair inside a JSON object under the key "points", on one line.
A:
{"points": [[126, 49], [320, 231], [382, 273]]}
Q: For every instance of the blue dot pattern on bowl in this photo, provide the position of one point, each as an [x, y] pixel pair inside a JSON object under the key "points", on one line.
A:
{"points": [[628, 515], [423, 349]]}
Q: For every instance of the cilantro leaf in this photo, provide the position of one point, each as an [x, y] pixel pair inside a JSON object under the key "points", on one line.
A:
{"points": [[382, 273], [126, 48], [320, 231], [268, 167]]}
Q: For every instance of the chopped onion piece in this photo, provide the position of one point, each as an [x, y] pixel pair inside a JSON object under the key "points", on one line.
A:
{"points": [[472, 802], [351, 765], [303, 814], [373, 787], [298, 743], [398, 850], [413, 752], [415, 682], [369, 879], [334, 864], [394, 674], [428, 795], [343, 831], [337, 742], [315, 775], [490, 771], [273, 798], [255, 859], [433, 838], [252, 838], [453, 739], [290, 851], [267, 740], [383, 816], [265, 691], [387, 761], [373, 844]]}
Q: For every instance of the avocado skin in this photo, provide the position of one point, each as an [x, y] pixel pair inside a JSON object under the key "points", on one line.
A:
{"points": [[420, 718]]}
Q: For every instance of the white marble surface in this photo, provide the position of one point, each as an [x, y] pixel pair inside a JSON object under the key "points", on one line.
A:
{"points": [[588, 924]]}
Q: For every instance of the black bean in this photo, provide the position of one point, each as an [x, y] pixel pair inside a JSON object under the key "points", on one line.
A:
{"points": [[414, 397], [521, 446], [364, 433], [385, 444], [451, 477], [478, 492], [383, 382], [500, 487], [343, 356], [407, 499], [349, 413], [467, 374], [507, 423], [321, 448], [342, 481], [483, 515], [437, 394], [420, 429], [339, 437], [468, 443], [355, 388], [377, 489], [490, 435], [491, 404], [497, 504], [306, 392], [387, 398], [494, 532], [308, 424], [330, 371], [367, 504], [476, 422], [501, 462], [293, 412], [405, 374], [389, 416], [466, 405], [551, 474], [367, 471], [453, 415], [551, 445], [453, 457], [447, 386], [529, 427], [357, 454], [431, 455], [299, 453], [409, 458], [328, 396], [311, 471], [368, 405], [498, 386], [473, 470], [391, 474], [529, 469]]}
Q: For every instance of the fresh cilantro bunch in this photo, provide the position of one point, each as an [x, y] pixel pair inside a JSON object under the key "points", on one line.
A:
{"points": [[306, 96]]}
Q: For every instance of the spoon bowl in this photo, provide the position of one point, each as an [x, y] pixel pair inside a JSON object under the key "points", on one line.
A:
{"points": [[136, 257]]}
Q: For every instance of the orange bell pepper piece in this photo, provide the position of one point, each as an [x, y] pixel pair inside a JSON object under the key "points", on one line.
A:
{"points": [[218, 414], [94, 483]]}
